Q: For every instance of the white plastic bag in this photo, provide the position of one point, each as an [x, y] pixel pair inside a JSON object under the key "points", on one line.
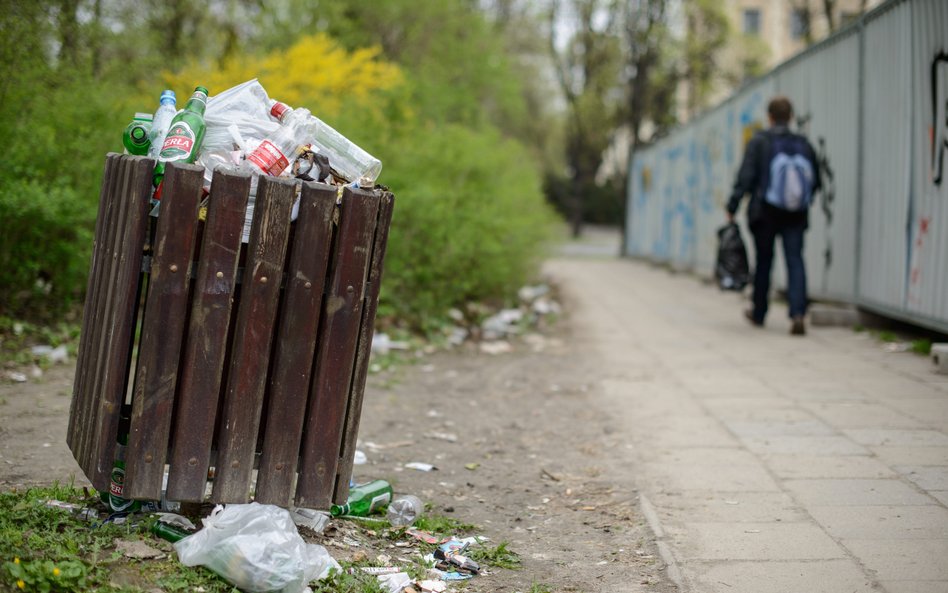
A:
{"points": [[246, 109], [257, 548]]}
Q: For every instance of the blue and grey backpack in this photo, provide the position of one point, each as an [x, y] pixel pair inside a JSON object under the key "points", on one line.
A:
{"points": [[791, 174]]}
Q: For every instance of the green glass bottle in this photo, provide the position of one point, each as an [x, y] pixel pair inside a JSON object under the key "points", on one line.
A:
{"points": [[185, 134], [364, 499], [169, 532], [136, 137]]}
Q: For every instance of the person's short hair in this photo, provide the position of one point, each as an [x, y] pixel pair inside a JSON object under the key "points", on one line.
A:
{"points": [[780, 109]]}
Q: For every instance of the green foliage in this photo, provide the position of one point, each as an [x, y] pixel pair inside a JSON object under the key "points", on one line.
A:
{"points": [[500, 556], [922, 346], [443, 526], [433, 94], [345, 582], [470, 222], [44, 247]]}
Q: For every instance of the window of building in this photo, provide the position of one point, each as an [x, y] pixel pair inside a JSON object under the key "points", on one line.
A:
{"points": [[799, 23], [752, 21]]}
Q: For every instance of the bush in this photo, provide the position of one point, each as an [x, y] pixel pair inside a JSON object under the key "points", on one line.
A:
{"points": [[470, 222], [44, 248]]}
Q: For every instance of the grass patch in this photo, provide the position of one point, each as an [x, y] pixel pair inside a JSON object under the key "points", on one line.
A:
{"points": [[500, 556], [922, 346], [444, 526]]}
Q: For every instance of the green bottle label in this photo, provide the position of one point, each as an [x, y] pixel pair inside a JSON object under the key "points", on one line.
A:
{"points": [[178, 143]]}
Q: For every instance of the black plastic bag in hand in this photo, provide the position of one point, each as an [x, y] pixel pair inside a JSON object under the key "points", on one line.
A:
{"points": [[731, 269]]}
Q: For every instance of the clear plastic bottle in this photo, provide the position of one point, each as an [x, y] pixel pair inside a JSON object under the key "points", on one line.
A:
{"points": [[167, 107], [404, 510], [348, 159]]}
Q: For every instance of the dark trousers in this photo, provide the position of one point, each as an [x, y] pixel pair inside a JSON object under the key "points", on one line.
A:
{"points": [[791, 229]]}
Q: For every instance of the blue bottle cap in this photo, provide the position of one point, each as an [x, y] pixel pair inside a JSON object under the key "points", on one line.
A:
{"points": [[169, 96]]}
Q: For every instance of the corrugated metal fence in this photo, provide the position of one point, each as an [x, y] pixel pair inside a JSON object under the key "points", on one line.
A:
{"points": [[873, 100]]}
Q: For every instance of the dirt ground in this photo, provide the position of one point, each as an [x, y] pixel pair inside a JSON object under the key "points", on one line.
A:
{"points": [[521, 446]]}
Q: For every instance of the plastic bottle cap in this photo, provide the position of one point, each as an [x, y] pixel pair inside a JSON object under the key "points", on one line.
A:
{"points": [[279, 109]]}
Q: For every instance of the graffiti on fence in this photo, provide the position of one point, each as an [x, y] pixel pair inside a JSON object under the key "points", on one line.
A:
{"points": [[829, 196], [939, 129]]}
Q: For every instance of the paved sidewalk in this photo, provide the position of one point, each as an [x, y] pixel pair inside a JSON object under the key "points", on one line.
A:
{"points": [[765, 462]]}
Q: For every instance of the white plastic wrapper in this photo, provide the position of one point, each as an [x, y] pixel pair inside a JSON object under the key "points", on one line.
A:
{"points": [[257, 548]]}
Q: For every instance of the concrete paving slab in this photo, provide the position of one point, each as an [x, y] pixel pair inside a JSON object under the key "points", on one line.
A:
{"points": [[940, 495], [855, 492], [762, 409], [803, 445], [914, 586], [826, 576], [899, 455], [690, 431], [902, 559], [730, 507], [801, 427], [926, 477], [790, 467], [929, 411], [879, 437], [883, 522], [861, 415], [684, 476], [755, 541]]}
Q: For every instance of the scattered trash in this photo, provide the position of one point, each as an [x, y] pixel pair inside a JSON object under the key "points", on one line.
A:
{"points": [[424, 536], [256, 548], [16, 377], [529, 294], [451, 557], [501, 324], [311, 519], [83, 513], [395, 583], [404, 510], [422, 467], [359, 458], [169, 532], [364, 499], [377, 570], [443, 436], [55, 355], [471, 466], [382, 344], [496, 348], [433, 586]]}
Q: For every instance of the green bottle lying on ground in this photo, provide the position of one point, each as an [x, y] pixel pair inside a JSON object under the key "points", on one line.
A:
{"points": [[364, 499]]}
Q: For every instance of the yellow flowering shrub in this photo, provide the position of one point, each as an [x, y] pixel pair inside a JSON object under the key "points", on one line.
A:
{"points": [[315, 72]]}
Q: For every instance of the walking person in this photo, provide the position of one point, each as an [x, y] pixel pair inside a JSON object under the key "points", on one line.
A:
{"points": [[780, 172]]}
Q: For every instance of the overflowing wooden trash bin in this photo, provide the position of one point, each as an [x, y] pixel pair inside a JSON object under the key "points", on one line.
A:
{"points": [[236, 369]]}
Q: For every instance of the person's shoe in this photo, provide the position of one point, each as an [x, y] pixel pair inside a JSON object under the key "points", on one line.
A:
{"points": [[796, 326], [749, 315]]}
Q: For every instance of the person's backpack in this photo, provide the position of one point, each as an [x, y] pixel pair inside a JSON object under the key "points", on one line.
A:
{"points": [[731, 269], [791, 174]]}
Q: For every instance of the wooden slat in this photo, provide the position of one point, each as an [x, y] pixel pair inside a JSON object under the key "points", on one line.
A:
{"points": [[296, 342], [162, 332], [335, 356], [256, 314], [199, 385], [98, 361], [124, 284], [78, 408], [363, 350]]}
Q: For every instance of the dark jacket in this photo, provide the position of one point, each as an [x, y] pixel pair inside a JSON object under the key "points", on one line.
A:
{"points": [[752, 179]]}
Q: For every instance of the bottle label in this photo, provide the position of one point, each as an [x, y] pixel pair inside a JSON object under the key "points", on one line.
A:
{"points": [[178, 143], [117, 502], [378, 501], [268, 158]]}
